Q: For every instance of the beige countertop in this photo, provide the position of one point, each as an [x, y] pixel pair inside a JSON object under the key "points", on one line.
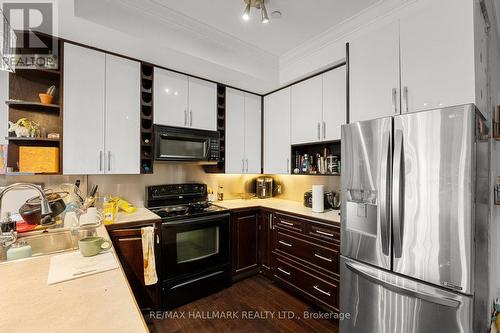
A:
{"points": [[97, 303], [293, 207], [141, 214]]}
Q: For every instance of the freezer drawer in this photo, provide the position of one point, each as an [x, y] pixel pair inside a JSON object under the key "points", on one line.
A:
{"points": [[382, 302]]}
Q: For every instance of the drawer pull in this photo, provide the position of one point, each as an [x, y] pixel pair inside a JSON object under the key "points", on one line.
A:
{"points": [[287, 223], [322, 291], [324, 233], [286, 244], [321, 257], [283, 271]]}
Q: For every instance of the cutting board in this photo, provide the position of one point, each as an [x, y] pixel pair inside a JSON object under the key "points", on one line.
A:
{"points": [[73, 265]]}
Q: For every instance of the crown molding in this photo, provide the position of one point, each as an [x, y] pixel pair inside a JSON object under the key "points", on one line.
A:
{"points": [[177, 21], [376, 12]]}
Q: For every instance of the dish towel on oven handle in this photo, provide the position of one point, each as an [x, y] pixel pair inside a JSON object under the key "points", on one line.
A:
{"points": [[148, 254]]}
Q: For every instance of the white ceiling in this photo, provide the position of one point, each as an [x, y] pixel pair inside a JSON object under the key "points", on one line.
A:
{"points": [[215, 41], [300, 21]]}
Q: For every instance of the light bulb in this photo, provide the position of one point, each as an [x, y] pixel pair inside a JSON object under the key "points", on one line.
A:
{"points": [[246, 13]]}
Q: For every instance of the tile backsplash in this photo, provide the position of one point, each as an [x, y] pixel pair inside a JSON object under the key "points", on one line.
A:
{"points": [[132, 187]]}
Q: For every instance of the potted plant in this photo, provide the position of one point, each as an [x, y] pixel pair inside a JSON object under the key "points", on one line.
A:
{"points": [[48, 96]]}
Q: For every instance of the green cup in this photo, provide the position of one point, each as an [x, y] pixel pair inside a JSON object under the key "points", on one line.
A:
{"points": [[91, 246]]}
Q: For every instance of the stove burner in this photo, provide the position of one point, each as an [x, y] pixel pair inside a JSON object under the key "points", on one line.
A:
{"points": [[182, 210]]}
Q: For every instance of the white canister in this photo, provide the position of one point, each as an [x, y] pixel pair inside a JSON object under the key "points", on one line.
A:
{"points": [[318, 201]]}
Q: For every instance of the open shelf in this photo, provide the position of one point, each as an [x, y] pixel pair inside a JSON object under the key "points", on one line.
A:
{"points": [[320, 152], [146, 135], [32, 105], [220, 167], [27, 71], [25, 85], [13, 138]]}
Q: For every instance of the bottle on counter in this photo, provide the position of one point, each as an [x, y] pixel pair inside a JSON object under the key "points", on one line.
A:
{"points": [[220, 193], [109, 210]]}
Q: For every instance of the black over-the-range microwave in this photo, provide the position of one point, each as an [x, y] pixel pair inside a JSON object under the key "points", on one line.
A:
{"points": [[178, 144]]}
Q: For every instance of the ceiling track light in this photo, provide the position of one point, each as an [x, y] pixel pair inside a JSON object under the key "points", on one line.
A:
{"points": [[246, 13], [258, 4], [265, 17]]}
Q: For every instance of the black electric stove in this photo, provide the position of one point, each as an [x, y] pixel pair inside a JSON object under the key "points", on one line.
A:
{"points": [[195, 246], [174, 201]]}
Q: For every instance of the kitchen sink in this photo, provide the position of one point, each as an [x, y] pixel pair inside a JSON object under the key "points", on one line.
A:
{"points": [[55, 241]]}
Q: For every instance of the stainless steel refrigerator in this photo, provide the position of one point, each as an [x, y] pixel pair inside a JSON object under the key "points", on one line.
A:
{"points": [[414, 239]]}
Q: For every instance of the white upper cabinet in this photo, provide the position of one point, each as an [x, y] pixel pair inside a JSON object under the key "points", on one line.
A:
{"points": [[437, 54], [253, 135], [84, 103], [202, 104], [101, 113], [4, 109], [374, 74], [334, 103], [243, 132], [122, 115], [170, 98], [235, 131], [306, 115], [184, 101], [277, 132]]}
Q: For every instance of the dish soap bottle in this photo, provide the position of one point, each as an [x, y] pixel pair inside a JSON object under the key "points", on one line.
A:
{"points": [[108, 210]]}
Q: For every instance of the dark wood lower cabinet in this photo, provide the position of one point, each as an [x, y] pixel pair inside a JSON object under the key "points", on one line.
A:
{"points": [[302, 255], [128, 246], [244, 244], [265, 234]]}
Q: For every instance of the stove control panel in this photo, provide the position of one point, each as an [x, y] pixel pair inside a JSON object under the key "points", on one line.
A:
{"points": [[175, 192]]}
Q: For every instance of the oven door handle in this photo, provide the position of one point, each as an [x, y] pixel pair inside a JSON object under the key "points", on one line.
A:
{"points": [[196, 220]]}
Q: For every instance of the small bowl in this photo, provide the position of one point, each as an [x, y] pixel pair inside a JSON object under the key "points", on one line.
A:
{"points": [[45, 98]]}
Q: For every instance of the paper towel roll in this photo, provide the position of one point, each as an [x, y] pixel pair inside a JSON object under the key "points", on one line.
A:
{"points": [[318, 203]]}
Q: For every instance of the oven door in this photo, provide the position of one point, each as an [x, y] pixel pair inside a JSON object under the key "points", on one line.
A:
{"points": [[194, 245]]}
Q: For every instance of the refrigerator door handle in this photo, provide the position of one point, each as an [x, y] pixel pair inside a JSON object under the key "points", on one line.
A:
{"points": [[385, 197], [441, 300], [398, 194]]}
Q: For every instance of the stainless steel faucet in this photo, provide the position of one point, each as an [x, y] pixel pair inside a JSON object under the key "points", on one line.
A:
{"points": [[8, 237]]}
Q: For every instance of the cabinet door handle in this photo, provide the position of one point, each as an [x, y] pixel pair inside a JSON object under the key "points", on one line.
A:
{"points": [[405, 97], [287, 223], [100, 160], [324, 233], [242, 165], [323, 258], [109, 160], [190, 118], [319, 131], [322, 291], [157, 239], [287, 165], [185, 117], [247, 166], [270, 221], [285, 243], [395, 99], [283, 271]]}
